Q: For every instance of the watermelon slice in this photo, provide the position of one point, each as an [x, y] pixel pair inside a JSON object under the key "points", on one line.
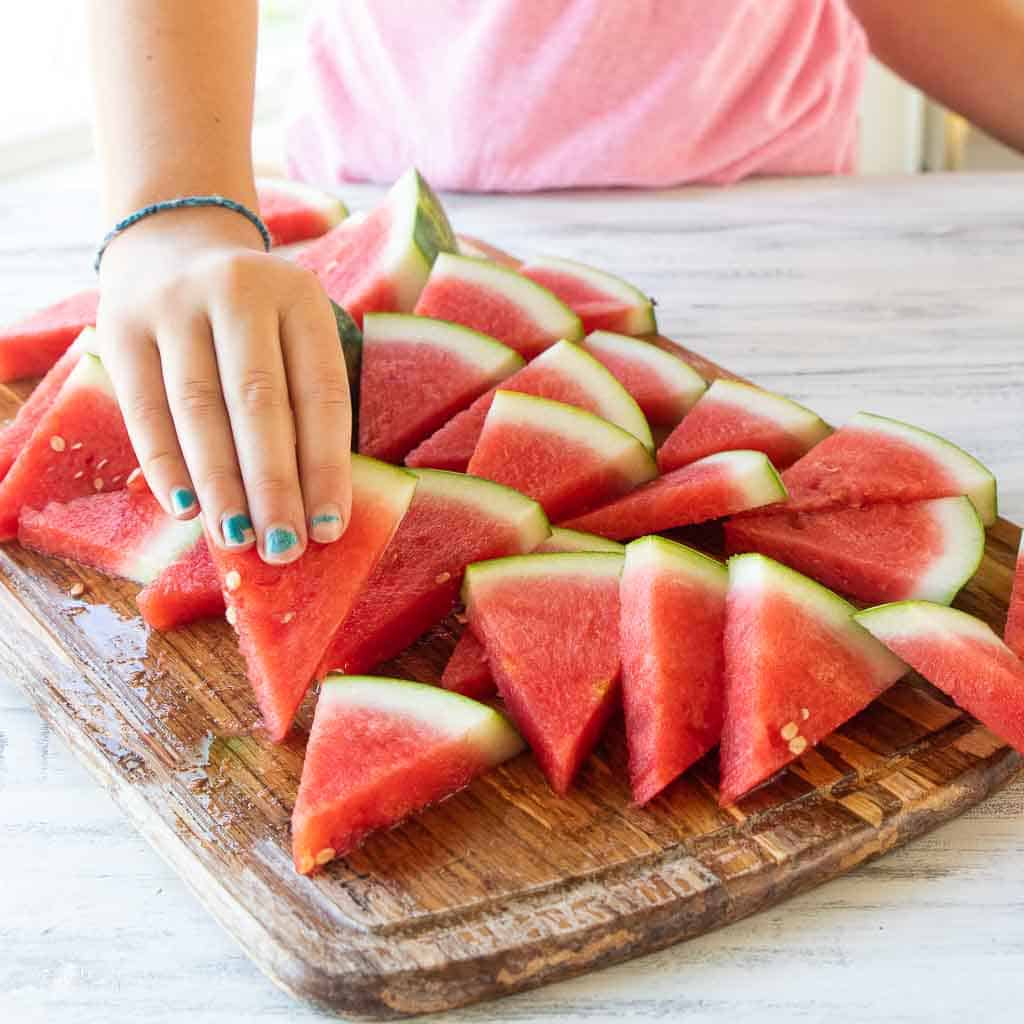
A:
{"points": [[673, 686], [381, 749], [602, 301], [873, 459], [1015, 620], [295, 212], [550, 625], [664, 386], [924, 549], [15, 435], [469, 245], [734, 415], [418, 373], [796, 667], [564, 373], [453, 520], [30, 347], [285, 615], [186, 591], [383, 263], [79, 446], [720, 485], [468, 671], [959, 654], [498, 301], [123, 533], [561, 456]]}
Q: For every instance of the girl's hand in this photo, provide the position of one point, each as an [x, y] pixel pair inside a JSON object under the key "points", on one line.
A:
{"points": [[231, 378]]}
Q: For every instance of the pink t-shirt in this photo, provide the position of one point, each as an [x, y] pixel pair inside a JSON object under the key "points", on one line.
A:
{"points": [[514, 95]]}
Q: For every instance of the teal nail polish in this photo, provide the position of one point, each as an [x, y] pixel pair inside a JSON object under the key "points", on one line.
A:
{"points": [[182, 499], [236, 530], [325, 525], [323, 520], [280, 539]]}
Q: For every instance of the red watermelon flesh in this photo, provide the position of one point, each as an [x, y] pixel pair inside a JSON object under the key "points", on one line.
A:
{"points": [[550, 626], [285, 615], [602, 301], [720, 485], [124, 533], [959, 654], [453, 520], [564, 373], [295, 212], [381, 749], [497, 301], [30, 347], [733, 415], [561, 456], [874, 459], [467, 671], [797, 666], [924, 549], [470, 245], [673, 686], [186, 591], [1015, 621], [79, 446], [15, 435], [416, 374]]}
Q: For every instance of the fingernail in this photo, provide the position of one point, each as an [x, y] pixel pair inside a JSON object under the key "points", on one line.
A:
{"points": [[325, 524], [277, 542], [236, 529], [182, 500]]}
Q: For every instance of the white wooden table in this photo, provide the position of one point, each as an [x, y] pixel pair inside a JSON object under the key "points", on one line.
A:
{"points": [[904, 297]]}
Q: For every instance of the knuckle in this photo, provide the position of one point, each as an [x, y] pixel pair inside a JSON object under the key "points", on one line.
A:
{"points": [[199, 397], [261, 391], [328, 387], [147, 411], [160, 463], [271, 487]]}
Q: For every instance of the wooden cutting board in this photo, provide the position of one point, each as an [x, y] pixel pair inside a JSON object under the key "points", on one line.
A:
{"points": [[505, 886]]}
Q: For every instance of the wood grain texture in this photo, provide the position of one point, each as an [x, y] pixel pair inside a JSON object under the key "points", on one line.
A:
{"points": [[606, 849]]}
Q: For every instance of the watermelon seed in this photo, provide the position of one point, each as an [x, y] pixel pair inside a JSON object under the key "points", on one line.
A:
{"points": [[76, 446], [326, 854], [789, 730], [805, 714], [442, 577], [133, 476], [307, 864], [57, 443], [79, 474], [101, 464], [116, 479], [76, 589], [233, 580], [287, 617], [231, 615], [797, 745], [97, 484]]}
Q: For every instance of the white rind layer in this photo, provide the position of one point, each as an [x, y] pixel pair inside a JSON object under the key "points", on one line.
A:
{"points": [[752, 473], [790, 416], [576, 564], [906, 619], [330, 207], [162, 548], [385, 482], [568, 541], [963, 546], [659, 554], [89, 372]]}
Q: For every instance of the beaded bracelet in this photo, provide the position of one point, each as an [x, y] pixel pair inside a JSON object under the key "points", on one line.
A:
{"points": [[178, 204]]}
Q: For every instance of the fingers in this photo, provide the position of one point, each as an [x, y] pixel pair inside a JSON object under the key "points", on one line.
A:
{"points": [[193, 388], [318, 387], [133, 362]]}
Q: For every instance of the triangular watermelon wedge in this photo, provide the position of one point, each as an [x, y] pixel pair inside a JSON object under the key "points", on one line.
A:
{"points": [[663, 385], [873, 459], [563, 373], [186, 591], [602, 301], [1015, 619], [416, 374], [500, 302], [797, 666], [959, 654], [79, 446], [294, 211], [467, 671], [673, 672], [453, 520], [550, 625], [285, 615], [382, 749], [382, 264], [733, 415], [561, 456], [720, 485], [923, 549], [15, 435], [30, 347], [124, 533]]}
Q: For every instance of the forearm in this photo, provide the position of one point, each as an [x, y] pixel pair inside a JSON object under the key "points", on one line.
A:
{"points": [[967, 54], [173, 96]]}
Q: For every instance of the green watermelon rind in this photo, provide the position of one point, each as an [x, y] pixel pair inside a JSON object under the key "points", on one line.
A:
{"points": [[763, 486], [818, 602], [351, 341], [892, 619], [484, 728], [660, 552], [330, 206], [642, 320], [565, 541], [384, 479], [89, 373], [544, 308], [792, 417], [976, 478], [495, 501], [598, 435], [594, 564]]}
